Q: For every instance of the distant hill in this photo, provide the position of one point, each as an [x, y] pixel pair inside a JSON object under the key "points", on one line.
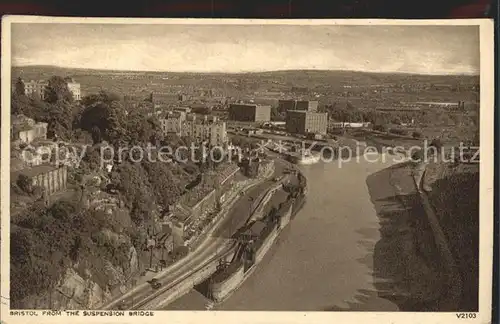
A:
{"points": [[338, 74], [141, 83]]}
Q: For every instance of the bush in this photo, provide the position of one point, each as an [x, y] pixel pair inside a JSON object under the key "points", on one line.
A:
{"points": [[380, 128], [416, 134], [436, 143], [24, 183], [398, 131]]}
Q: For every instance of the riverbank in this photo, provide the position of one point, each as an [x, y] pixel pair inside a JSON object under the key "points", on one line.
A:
{"points": [[428, 252]]}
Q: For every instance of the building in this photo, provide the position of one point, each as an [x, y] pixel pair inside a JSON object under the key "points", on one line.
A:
{"points": [[201, 109], [256, 167], [185, 110], [207, 129], [74, 88], [172, 122], [159, 99], [306, 122], [249, 112], [285, 105], [27, 130], [49, 177], [305, 105], [301, 90], [37, 88]]}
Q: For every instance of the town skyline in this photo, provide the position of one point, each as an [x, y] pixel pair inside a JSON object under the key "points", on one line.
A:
{"points": [[426, 50]]}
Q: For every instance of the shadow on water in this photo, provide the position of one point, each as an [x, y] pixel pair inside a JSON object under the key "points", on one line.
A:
{"points": [[391, 256]]}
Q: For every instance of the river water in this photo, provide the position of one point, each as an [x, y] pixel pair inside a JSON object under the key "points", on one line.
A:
{"points": [[325, 259]]}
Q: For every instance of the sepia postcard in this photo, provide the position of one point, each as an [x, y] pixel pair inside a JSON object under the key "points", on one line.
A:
{"points": [[249, 171]]}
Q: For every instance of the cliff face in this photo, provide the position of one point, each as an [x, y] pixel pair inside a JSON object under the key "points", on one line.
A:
{"points": [[455, 199], [97, 258], [409, 254], [80, 288]]}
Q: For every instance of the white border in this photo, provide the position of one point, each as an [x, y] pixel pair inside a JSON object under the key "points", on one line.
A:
{"points": [[486, 185]]}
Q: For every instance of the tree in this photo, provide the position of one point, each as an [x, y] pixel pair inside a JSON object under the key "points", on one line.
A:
{"points": [[397, 131], [166, 187], [104, 117], [142, 130], [19, 89], [57, 90], [437, 144], [21, 105], [24, 182], [60, 120], [416, 134], [62, 210], [380, 128]]}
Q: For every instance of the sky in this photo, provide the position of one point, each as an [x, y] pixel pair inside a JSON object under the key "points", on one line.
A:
{"points": [[248, 48]]}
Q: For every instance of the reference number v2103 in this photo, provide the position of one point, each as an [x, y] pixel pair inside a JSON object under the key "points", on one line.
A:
{"points": [[466, 315]]}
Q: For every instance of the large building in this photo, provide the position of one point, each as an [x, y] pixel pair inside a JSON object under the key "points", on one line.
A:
{"points": [[172, 122], [158, 99], [37, 88], [202, 129], [250, 112], [306, 122], [305, 105], [74, 88], [207, 129]]}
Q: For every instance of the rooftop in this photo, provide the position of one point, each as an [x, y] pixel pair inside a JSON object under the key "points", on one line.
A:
{"points": [[196, 195], [181, 214], [306, 112], [224, 172]]}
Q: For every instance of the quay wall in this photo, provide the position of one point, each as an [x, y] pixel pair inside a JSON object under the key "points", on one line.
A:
{"points": [[221, 289], [266, 245]]}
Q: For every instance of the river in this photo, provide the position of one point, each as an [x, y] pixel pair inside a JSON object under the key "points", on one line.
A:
{"points": [[332, 256], [325, 259]]}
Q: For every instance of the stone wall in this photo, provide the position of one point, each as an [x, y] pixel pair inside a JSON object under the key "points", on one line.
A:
{"points": [[266, 245]]}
